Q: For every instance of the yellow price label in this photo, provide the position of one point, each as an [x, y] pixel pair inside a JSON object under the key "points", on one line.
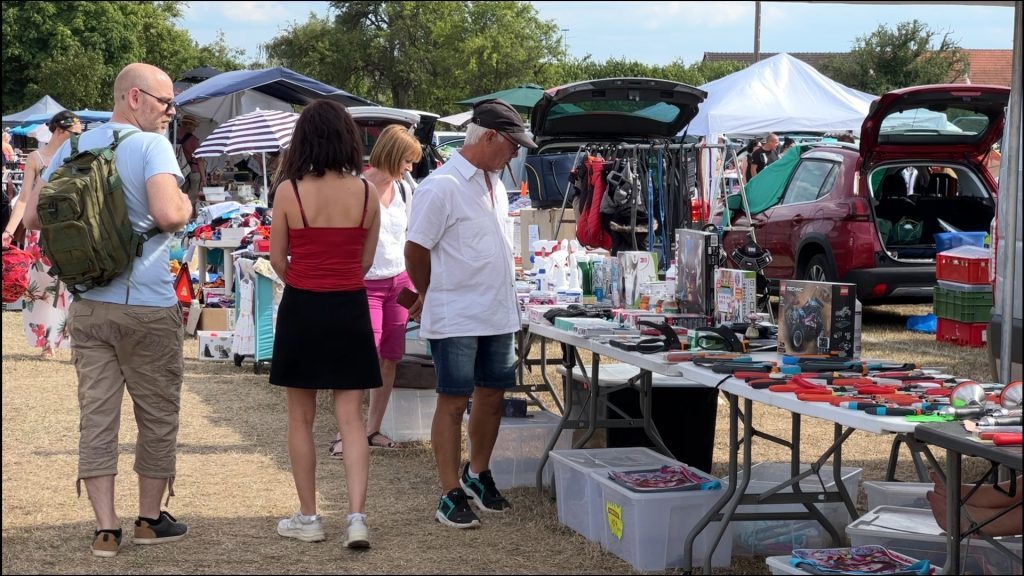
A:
{"points": [[614, 519]]}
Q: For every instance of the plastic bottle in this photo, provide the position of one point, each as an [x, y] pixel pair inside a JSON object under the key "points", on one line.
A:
{"points": [[670, 278], [542, 280]]}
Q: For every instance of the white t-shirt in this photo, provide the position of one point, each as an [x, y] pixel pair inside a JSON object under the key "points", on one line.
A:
{"points": [[138, 158], [389, 259], [468, 232]]}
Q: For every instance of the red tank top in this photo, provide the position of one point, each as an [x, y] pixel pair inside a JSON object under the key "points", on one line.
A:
{"points": [[326, 259]]}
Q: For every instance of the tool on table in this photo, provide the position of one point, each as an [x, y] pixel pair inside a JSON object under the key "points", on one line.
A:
{"points": [[1010, 397], [886, 411]]}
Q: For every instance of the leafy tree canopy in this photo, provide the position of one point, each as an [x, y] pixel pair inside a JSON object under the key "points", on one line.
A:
{"points": [[74, 50], [910, 55]]}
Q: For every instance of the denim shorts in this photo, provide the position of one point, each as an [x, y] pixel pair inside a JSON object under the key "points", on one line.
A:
{"points": [[462, 362]]}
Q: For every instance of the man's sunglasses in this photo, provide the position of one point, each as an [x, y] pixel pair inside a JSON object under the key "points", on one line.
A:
{"points": [[169, 104], [516, 145]]}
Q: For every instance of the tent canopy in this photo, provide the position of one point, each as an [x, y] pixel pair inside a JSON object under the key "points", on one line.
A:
{"points": [[279, 83], [779, 94], [523, 98], [44, 106]]}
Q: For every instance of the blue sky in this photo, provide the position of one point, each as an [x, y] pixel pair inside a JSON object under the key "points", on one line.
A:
{"points": [[659, 32]]}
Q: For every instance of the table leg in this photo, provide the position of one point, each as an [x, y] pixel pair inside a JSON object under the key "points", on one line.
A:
{"points": [[229, 269], [569, 362], [952, 512], [201, 273], [728, 490]]}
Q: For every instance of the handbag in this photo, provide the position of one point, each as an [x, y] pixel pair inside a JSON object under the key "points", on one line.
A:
{"points": [[15, 273]]}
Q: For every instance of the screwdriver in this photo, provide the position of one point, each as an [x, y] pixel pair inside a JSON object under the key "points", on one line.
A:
{"points": [[886, 411]]}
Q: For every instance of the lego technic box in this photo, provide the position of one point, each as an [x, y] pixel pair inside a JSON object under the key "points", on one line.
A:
{"points": [[817, 318]]}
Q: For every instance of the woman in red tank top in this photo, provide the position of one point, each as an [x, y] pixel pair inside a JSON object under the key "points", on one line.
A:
{"points": [[323, 240]]}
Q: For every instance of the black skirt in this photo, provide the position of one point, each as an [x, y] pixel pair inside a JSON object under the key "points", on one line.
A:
{"points": [[324, 341]]}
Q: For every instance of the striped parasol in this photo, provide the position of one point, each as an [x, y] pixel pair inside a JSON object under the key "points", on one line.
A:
{"points": [[259, 131]]}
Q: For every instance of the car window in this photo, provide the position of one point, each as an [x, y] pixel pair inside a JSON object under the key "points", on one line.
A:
{"points": [[808, 180]]}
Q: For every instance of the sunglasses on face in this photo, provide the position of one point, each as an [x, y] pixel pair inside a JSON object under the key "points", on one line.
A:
{"points": [[515, 145], [168, 103]]}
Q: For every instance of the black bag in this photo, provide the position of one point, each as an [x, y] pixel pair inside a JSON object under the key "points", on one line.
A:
{"points": [[547, 177]]}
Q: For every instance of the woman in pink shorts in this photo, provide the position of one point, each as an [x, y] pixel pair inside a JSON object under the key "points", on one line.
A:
{"points": [[394, 154]]}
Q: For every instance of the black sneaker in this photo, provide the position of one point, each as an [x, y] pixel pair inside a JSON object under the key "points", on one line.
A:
{"points": [[482, 491], [166, 530], [453, 510]]}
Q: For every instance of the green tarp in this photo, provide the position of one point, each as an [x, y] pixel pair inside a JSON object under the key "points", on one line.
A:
{"points": [[765, 190]]}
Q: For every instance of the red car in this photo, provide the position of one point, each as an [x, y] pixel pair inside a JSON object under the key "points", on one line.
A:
{"points": [[869, 216]]}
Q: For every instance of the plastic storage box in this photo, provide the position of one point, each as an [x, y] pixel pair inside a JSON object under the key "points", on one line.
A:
{"points": [[771, 537], [648, 530], [913, 532], [974, 335], [963, 306], [966, 264], [520, 446], [949, 240], [580, 506], [409, 414], [904, 494]]}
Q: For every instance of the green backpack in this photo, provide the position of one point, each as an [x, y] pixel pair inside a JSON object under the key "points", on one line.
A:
{"points": [[84, 226]]}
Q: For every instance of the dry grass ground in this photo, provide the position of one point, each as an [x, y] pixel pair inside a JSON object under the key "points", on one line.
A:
{"points": [[234, 480]]}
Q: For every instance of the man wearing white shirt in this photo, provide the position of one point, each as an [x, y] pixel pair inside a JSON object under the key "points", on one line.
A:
{"points": [[459, 257]]}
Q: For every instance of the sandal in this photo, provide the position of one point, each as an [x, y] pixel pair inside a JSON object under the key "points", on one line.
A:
{"points": [[336, 450], [388, 443]]}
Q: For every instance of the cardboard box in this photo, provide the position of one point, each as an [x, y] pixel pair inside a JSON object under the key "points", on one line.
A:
{"points": [[636, 268], [222, 319], [214, 345], [817, 318], [545, 222], [696, 258], [735, 295]]}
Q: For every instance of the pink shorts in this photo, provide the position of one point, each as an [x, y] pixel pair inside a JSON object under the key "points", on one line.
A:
{"points": [[387, 316]]}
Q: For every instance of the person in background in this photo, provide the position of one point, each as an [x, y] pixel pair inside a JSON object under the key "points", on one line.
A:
{"points": [[986, 502], [393, 155], [133, 338], [327, 219], [752, 147], [188, 141], [846, 137], [459, 257], [787, 143], [47, 299], [9, 156]]}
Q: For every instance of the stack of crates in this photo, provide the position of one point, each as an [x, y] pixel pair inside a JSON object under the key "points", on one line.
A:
{"points": [[963, 297]]}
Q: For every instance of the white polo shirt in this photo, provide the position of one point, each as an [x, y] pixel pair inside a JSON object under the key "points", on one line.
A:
{"points": [[468, 232]]}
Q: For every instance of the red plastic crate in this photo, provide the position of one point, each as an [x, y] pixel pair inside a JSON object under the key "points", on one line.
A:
{"points": [[963, 269], [962, 333]]}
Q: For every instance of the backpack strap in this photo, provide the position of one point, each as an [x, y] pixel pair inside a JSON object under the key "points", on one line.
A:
{"points": [[74, 142]]}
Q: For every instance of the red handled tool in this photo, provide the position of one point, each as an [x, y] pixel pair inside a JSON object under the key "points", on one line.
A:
{"points": [[1007, 439]]}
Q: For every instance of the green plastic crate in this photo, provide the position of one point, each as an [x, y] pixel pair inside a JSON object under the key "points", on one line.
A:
{"points": [[969, 307]]}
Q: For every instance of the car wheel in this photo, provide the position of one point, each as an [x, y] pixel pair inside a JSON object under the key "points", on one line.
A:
{"points": [[818, 269]]}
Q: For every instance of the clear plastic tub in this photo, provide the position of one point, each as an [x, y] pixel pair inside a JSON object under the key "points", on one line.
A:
{"points": [[903, 494], [914, 532], [520, 446], [648, 530], [580, 506], [771, 537]]}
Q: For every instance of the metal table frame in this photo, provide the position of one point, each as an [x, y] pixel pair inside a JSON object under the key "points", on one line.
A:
{"points": [[957, 442]]}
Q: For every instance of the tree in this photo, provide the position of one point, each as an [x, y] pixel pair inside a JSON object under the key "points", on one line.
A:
{"points": [[910, 55], [425, 55], [74, 50]]}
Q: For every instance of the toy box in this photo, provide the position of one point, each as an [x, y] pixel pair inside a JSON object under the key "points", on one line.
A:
{"points": [[735, 295], [817, 318], [697, 258], [635, 269], [214, 345]]}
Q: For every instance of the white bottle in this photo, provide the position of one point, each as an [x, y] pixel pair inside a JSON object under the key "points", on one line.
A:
{"points": [[542, 280], [670, 278]]}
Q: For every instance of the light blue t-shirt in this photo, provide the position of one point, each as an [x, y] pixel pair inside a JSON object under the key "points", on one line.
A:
{"points": [[137, 159]]}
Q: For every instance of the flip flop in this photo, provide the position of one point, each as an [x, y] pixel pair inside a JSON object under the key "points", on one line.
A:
{"points": [[336, 450], [390, 444]]}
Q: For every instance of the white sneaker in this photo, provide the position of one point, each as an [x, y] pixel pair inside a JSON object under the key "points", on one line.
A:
{"points": [[296, 527], [357, 535]]}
